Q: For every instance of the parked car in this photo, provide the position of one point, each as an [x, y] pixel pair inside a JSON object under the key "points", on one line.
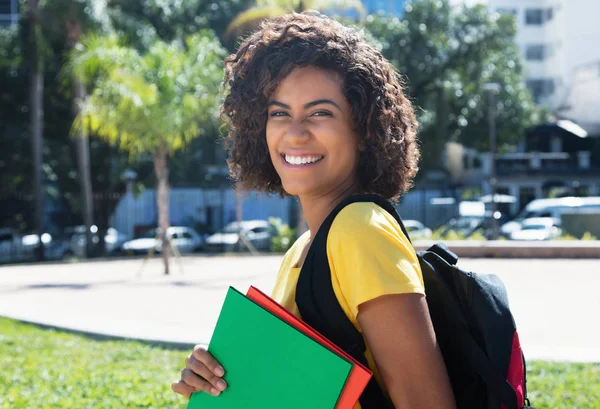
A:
{"points": [[185, 239], [15, 246], [258, 232], [416, 230], [463, 225], [466, 226], [537, 228], [551, 208], [77, 240]]}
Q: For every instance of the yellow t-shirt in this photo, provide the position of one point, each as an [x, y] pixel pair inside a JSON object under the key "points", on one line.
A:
{"points": [[368, 255]]}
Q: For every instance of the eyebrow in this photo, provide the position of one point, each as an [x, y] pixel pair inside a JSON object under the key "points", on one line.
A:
{"points": [[307, 105]]}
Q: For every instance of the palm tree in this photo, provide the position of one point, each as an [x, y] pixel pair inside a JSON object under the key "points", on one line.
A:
{"points": [[36, 47], [153, 103], [70, 19], [249, 20]]}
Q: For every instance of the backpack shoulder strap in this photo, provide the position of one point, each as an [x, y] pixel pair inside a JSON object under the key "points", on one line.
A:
{"points": [[320, 308]]}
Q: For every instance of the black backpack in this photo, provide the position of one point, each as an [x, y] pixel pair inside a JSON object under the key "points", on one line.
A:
{"points": [[471, 317]]}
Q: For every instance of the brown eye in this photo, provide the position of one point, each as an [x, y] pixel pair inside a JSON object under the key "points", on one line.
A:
{"points": [[278, 113]]}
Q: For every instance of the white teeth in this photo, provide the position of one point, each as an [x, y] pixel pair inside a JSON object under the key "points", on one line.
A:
{"points": [[298, 160]]}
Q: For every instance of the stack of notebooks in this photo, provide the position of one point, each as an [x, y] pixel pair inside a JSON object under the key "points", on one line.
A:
{"points": [[274, 360]]}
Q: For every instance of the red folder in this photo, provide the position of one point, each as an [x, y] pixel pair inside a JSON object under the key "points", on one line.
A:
{"points": [[359, 375]]}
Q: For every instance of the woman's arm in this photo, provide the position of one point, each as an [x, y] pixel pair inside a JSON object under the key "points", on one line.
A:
{"points": [[401, 338]]}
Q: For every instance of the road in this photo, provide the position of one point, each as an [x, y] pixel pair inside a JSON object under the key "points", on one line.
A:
{"points": [[556, 302]]}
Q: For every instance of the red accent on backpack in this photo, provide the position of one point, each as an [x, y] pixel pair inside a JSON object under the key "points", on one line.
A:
{"points": [[516, 375]]}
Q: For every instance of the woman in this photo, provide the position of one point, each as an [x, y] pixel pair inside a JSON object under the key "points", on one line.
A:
{"points": [[316, 112]]}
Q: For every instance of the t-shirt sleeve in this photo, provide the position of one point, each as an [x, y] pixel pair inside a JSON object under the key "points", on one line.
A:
{"points": [[370, 256]]}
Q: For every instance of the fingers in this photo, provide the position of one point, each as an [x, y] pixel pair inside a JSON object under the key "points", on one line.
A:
{"points": [[182, 388], [202, 372], [207, 359], [198, 383]]}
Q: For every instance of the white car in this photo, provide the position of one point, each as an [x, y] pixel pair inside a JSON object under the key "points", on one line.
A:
{"points": [[185, 239], [256, 232], [537, 228], [416, 230]]}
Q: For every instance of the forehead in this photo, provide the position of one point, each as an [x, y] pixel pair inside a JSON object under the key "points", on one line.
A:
{"points": [[308, 83]]}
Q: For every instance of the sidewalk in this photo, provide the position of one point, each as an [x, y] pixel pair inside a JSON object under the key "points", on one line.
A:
{"points": [[555, 302]]}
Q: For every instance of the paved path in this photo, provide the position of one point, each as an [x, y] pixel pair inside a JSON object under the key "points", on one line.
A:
{"points": [[556, 302]]}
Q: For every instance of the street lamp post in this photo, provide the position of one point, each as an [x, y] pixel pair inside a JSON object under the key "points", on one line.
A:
{"points": [[493, 89]]}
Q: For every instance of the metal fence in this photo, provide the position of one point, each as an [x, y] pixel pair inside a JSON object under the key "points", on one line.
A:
{"points": [[131, 215]]}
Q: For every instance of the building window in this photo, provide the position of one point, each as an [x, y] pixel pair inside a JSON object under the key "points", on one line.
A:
{"points": [[534, 17], [539, 52], [537, 17], [541, 88], [6, 7], [534, 52], [8, 12]]}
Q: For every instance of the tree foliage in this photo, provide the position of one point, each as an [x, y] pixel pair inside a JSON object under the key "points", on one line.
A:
{"points": [[140, 22], [250, 19], [145, 101], [447, 55]]}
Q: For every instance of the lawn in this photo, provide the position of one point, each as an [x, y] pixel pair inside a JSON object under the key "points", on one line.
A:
{"points": [[46, 369]]}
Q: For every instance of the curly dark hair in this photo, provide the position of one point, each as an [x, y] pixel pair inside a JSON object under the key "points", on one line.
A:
{"points": [[383, 117]]}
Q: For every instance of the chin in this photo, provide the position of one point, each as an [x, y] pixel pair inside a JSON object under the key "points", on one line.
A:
{"points": [[297, 189]]}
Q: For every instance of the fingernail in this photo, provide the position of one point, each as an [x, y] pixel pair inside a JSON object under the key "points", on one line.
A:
{"points": [[215, 391], [219, 371], [221, 385]]}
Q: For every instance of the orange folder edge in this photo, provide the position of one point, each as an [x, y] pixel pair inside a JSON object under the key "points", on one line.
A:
{"points": [[359, 375]]}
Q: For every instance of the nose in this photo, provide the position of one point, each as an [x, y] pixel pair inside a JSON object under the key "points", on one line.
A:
{"points": [[297, 132]]}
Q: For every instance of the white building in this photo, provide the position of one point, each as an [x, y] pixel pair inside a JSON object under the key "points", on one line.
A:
{"points": [[555, 38], [541, 37], [9, 12]]}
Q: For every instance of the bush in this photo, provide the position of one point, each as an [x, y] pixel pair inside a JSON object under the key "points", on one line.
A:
{"points": [[588, 236], [285, 236], [569, 237], [451, 235]]}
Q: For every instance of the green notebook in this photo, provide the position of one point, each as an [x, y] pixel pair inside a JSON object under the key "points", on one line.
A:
{"points": [[269, 364]]}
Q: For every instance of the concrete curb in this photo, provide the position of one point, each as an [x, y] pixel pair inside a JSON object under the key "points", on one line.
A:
{"points": [[101, 336], [514, 249], [462, 248]]}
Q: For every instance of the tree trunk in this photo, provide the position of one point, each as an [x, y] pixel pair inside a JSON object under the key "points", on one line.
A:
{"points": [[83, 164], [73, 28], [162, 201], [36, 112]]}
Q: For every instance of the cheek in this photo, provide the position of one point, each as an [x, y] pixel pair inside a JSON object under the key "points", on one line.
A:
{"points": [[270, 137], [351, 147]]}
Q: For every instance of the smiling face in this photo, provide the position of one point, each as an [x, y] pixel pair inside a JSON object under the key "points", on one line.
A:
{"points": [[310, 136]]}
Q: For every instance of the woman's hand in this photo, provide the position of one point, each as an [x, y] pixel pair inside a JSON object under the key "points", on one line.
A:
{"points": [[201, 373]]}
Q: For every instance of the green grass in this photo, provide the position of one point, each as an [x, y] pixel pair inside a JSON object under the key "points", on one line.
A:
{"points": [[46, 369], [557, 385]]}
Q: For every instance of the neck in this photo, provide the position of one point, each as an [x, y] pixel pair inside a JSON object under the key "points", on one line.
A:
{"points": [[317, 208]]}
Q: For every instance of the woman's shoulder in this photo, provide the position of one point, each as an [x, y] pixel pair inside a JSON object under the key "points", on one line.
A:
{"points": [[364, 218], [292, 254]]}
